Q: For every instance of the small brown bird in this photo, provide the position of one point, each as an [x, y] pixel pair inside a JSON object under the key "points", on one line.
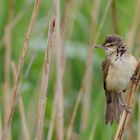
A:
{"points": [[118, 69]]}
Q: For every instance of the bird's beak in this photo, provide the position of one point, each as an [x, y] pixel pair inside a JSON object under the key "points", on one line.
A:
{"points": [[100, 46]]}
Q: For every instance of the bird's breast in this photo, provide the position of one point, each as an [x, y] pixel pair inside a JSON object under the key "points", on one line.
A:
{"points": [[120, 73]]}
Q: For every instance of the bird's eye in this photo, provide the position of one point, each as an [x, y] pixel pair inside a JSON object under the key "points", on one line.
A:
{"points": [[111, 45]]}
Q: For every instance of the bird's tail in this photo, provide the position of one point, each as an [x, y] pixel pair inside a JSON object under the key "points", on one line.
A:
{"points": [[114, 108]]}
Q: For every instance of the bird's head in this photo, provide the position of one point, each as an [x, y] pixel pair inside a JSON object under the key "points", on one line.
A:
{"points": [[113, 43]]}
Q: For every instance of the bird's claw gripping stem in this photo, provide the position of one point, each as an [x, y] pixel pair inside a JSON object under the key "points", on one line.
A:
{"points": [[127, 108]]}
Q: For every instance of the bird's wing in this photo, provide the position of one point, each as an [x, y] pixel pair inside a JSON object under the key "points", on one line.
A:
{"points": [[105, 68], [113, 106]]}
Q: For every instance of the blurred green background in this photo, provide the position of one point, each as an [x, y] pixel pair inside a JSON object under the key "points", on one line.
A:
{"points": [[81, 21]]}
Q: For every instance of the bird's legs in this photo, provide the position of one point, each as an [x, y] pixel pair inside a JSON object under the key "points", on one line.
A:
{"points": [[124, 106], [127, 108]]}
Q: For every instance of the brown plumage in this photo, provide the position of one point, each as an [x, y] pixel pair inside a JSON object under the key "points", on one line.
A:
{"points": [[118, 68], [113, 108]]}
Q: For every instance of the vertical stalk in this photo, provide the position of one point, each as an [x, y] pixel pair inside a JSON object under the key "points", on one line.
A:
{"points": [[59, 87], [135, 23], [44, 81], [88, 83], [8, 45], [114, 17], [20, 67]]}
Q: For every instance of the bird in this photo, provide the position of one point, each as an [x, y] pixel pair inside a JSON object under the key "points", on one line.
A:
{"points": [[118, 70]]}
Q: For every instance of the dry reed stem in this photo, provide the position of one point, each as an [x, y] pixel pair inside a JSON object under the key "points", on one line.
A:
{"points": [[21, 108], [20, 67], [86, 96], [67, 23], [132, 33], [14, 21], [68, 19], [8, 45], [131, 130], [124, 117], [59, 73], [139, 117], [66, 29], [137, 49], [25, 128], [20, 102], [0, 124], [102, 23], [74, 111], [44, 81], [82, 89], [20, 15], [7, 70], [59, 111], [114, 17]]}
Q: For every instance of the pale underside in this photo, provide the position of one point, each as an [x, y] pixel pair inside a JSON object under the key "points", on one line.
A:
{"points": [[120, 72]]}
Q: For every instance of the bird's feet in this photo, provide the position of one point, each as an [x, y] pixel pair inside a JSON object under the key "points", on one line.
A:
{"points": [[127, 108]]}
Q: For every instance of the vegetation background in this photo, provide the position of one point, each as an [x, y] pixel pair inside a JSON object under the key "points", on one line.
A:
{"points": [[58, 90]]}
